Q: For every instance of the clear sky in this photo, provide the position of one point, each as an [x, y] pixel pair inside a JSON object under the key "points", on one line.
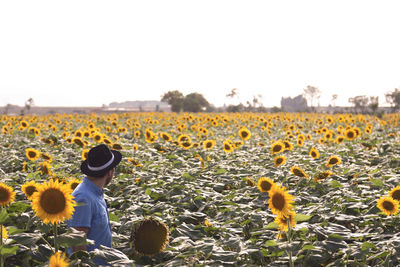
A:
{"points": [[89, 53]]}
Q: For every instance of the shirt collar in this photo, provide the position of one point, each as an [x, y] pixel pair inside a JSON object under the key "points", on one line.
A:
{"points": [[93, 187]]}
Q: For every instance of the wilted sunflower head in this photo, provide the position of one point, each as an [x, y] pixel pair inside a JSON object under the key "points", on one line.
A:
{"points": [[279, 161], [32, 154], [388, 205], [7, 195], [29, 188], [264, 184], [298, 172], [53, 202], [395, 193], [150, 237]]}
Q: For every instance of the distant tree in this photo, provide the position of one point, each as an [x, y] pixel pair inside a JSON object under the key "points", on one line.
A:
{"points": [[393, 98], [311, 93], [296, 104], [373, 103], [28, 104], [360, 103], [195, 102], [175, 99]]}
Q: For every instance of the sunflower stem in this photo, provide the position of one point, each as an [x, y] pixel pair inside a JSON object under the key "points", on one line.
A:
{"points": [[1, 245], [291, 263], [55, 237]]}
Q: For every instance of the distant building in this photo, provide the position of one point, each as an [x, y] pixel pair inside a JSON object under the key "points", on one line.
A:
{"points": [[296, 104]]}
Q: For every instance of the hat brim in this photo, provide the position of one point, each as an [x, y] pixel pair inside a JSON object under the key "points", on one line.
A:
{"points": [[117, 160]]}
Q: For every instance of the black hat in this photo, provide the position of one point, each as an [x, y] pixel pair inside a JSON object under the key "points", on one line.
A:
{"points": [[100, 160]]}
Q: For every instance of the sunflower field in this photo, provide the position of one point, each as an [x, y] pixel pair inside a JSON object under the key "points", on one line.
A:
{"points": [[206, 189]]}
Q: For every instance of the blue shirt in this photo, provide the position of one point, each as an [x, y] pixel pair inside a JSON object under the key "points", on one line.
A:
{"points": [[93, 214]]}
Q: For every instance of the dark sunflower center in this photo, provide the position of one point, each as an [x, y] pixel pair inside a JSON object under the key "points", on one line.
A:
{"points": [[4, 195], [279, 160], [388, 205], [350, 134], [208, 145], [32, 154], [265, 185], [227, 147], [313, 154], [396, 195], [333, 161], [277, 148], [298, 172], [244, 134], [278, 201], [30, 190], [52, 201]]}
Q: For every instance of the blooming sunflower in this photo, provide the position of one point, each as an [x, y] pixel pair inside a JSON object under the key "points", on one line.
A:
{"points": [[209, 144], [282, 221], [47, 157], [350, 134], [314, 153], [265, 184], [333, 160], [32, 154], [395, 193], [298, 172], [84, 154], [185, 144], [322, 175], [277, 147], [135, 147], [7, 195], [227, 146], [45, 168], [244, 133], [388, 205], [53, 202], [288, 145], [339, 139], [58, 260], [29, 188], [250, 182], [78, 141], [98, 137], [73, 183], [279, 161], [166, 136], [4, 232], [280, 201]]}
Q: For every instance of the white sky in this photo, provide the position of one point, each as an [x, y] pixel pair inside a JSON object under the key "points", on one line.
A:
{"points": [[89, 53]]}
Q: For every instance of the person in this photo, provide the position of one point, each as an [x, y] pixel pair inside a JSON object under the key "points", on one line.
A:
{"points": [[92, 217]]}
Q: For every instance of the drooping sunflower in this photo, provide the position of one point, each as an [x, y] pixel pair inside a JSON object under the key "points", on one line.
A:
{"points": [[322, 175], [150, 237], [279, 161], [78, 141], [388, 205], [47, 157], [45, 168], [314, 153], [250, 182], [73, 183], [58, 260], [32, 154], [395, 193], [277, 147], [333, 160], [29, 188], [84, 154], [282, 221], [298, 172], [228, 148], [280, 201], [7, 195], [209, 144], [244, 133], [265, 185], [117, 146], [53, 202]]}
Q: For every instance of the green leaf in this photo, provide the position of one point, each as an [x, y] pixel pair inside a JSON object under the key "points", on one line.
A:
{"points": [[308, 247], [220, 171], [302, 217], [377, 182], [69, 239], [336, 184], [7, 250], [113, 217], [367, 245], [3, 216], [271, 226], [187, 176], [270, 243]]}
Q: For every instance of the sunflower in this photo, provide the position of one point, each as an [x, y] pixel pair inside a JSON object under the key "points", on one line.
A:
{"points": [[7, 195], [322, 175], [333, 160], [250, 182], [150, 237], [117, 146], [165, 136], [137, 134], [4, 232], [339, 139], [73, 183], [185, 144], [388, 205], [29, 188], [227, 146], [47, 157], [209, 144], [314, 153], [32, 154], [395, 193], [298, 172], [24, 124], [265, 184], [277, 147], [288, 145], [45, 168], [350, 134], [98, 137], [84, 154], [135, 147], [53, 202], [78, 141], [58, 260], [282, 221], [279, 161], [300, 142], [244, 133], [280, 201], [184, 138]]}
